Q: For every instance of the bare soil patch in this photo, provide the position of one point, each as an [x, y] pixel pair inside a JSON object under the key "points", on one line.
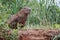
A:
{"points": [[37, 34]]}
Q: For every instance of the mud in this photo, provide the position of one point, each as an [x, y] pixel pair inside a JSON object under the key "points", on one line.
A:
{"points": [[37, 34], [1, 38]]}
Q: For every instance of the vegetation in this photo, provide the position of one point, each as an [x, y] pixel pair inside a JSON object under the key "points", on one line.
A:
{"points": [[45, 13]]}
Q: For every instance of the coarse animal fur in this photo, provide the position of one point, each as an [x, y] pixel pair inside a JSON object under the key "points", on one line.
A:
{"points": [[20, 18]]}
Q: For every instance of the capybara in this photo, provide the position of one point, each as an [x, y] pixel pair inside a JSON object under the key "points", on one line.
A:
{"points": [[19, 18]]}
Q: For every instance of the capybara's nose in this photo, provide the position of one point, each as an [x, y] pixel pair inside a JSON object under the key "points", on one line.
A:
{"points": [[29, 9]]}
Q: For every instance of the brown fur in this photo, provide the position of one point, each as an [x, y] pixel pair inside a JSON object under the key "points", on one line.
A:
{"points": [[20, 18]]}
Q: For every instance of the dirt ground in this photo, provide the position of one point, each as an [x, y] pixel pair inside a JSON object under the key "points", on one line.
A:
{"points": [[1, 38], [37, 34]]}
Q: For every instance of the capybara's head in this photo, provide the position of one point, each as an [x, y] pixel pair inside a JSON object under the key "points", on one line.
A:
{"points": [[26, 10]]}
